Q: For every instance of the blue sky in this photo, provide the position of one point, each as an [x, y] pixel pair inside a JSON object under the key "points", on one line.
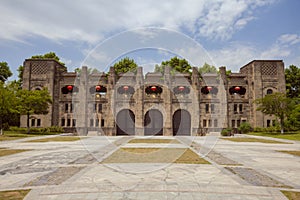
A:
{"points": [[227, 33]]}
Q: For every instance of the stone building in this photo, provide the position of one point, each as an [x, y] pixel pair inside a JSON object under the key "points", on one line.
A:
{"points": [[154, 103]]}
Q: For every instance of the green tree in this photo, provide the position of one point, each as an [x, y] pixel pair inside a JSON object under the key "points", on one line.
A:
{"points": [[276, 104], [48, 55], [33, 102], [4, 71], [206, 68], [125, 65], [292, 77], [176, 64], [293, 120], [7, 103]]}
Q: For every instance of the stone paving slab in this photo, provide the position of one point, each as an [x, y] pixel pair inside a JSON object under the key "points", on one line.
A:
{"points": [[47, 164]]}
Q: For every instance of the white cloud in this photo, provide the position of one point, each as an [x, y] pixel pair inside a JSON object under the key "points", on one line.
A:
{"points": [[289, 39], [282, 48], [234, 56], [90, 21]]}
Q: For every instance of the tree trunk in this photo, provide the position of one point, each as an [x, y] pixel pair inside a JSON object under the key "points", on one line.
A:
{"points": [[28, 127], [281, 125]]}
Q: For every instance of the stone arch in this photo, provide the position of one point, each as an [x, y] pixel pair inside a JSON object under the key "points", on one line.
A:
{"points": [[181, 122], [153, 122], [125, 122]]}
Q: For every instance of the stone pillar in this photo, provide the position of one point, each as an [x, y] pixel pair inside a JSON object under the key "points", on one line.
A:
{"points": [[195, 113], [167, 96], [82, 107], [139, 102], [111, 111]]}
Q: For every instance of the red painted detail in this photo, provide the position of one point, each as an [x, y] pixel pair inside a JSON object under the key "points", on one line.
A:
{"points": [[70, 87], [181, 88], [98, 87], [125, 87], [153, 88]]}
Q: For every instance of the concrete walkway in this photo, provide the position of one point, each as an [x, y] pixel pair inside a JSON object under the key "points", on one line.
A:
{"points": [[73, 170]]}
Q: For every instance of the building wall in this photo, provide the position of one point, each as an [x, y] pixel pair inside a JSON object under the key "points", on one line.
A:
{"points": [[83, 111]]}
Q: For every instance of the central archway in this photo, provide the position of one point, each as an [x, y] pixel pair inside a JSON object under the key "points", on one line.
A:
{"points": [[153, 122], [126, 122], [181, 122]]}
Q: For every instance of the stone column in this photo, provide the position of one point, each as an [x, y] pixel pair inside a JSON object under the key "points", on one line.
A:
{"points": [[139, 114], [167, 96]]}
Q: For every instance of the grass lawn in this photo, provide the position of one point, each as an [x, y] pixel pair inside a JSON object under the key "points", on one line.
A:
{"points": [[5, 152], [13, 194], [154, 141], [242, 139], [291, 195], [13, 135], [155, 155], [57, 139], [295, 153], [288, 136]]}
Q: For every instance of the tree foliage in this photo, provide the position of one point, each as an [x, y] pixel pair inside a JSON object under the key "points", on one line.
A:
{"points": [[7, 102], [4, 71], [49, 55], [206, 68], [125, 65], [276, 104], [294, 118], [292, 76], [33, 102], [176, 64]]}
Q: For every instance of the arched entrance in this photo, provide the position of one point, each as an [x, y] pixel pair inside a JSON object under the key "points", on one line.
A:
{"points": [[125, 122], [153, 122], [181, 123]]}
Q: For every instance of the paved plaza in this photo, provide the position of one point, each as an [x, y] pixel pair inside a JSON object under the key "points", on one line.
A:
{"points": [[77, 169]]}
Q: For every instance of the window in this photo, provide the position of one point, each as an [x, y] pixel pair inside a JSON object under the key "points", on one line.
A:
{"points": [[233, 123], [91, 122], [212, 108], [63, 122], [71, 108], [268, 123], [74, 122], [32, 122], [207, 108], [241, 108], [97, 122], [68, 122], [95, 107], [235, 108], [238, 123], [66, 107], [38, 122], [209, 123], [269, 91], [204, 123], [102, 122], [215, 123], [99, 107]]}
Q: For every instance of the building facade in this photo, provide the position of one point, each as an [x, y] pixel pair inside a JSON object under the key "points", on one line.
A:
{"points": [[166, 103]]}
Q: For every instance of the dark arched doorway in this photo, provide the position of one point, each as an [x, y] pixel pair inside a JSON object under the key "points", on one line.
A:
{"points": [[125, 122], [153, 122], [181, 123]]}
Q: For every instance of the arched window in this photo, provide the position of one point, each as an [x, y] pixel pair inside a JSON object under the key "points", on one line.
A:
{"points": [[269, 91]]}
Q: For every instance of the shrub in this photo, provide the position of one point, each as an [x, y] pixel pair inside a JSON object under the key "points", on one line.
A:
{"points": [[226, 132], [38, 130], [245, 127]]}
